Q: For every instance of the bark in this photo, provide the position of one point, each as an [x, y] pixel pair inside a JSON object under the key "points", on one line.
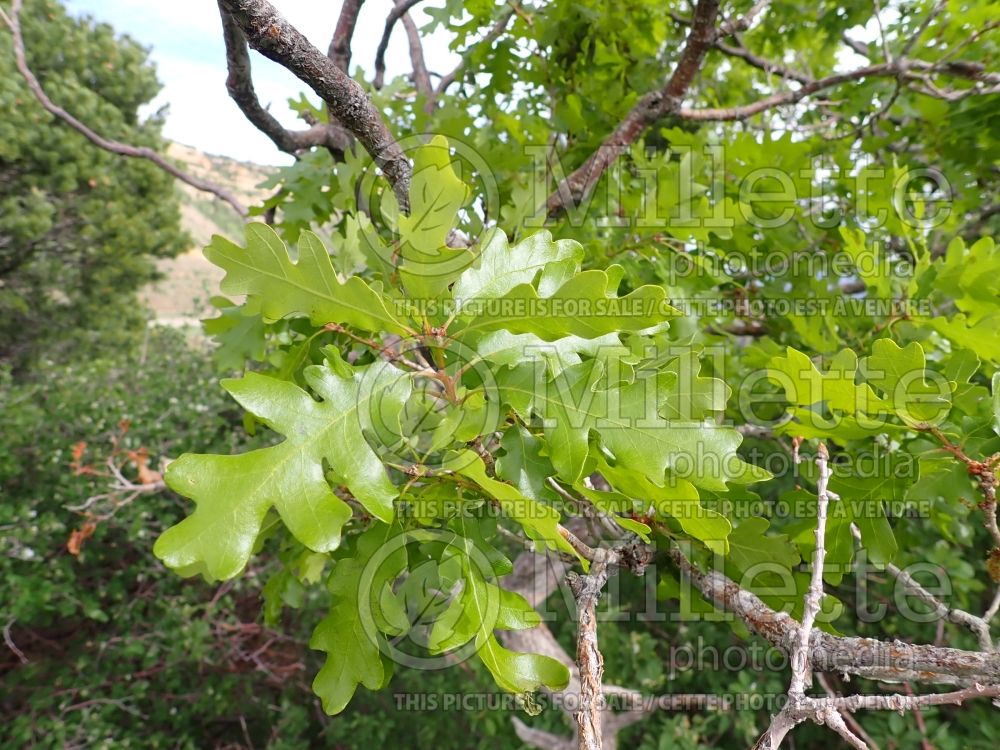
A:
{"points": [[268, 32]]}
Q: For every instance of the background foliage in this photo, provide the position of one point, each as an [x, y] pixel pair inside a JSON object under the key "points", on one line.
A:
{"points": [[79, 227]]}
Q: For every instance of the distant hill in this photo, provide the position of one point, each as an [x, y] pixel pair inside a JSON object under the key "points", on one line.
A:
{"points": [[181, 298]]}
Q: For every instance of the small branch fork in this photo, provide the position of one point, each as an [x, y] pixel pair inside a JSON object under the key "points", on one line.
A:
{"points": [[13, 22]]}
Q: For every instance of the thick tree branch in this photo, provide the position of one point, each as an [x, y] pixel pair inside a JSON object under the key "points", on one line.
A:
{"points": [[395, 14], [340, 45], [649, 108], [13, 22], [269, 33], [240, 86]]}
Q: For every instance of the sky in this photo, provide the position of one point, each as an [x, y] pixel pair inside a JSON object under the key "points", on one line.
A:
{"points": [[185, 38]]}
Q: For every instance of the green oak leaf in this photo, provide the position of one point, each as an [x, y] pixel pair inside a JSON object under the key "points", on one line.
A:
{"points": [[362, 593], [805, 385], [979, 336], [539, 521], [481, 605], [508, 349], [523, 464], [970, 275], [840, 428], [750, 547], [578, 402], [584, 305], [693, 397], [899, 372], [311, 287], [234, 493], [239, 332], [436, 197], [500, 267], [677, 499]]}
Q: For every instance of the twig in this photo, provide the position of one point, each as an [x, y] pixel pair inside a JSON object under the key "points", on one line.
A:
{"points": [[906, 69], [846, 715], [977, 625], [587, 590], [10, 643], [983, 472], [395, 14], [991, 611]]}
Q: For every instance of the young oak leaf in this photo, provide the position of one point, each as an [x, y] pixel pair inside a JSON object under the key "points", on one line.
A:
{"points": [[264, 271], [436, 197], [234, 493]]}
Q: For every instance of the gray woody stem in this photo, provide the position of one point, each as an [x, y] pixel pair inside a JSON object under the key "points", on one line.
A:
{"points": [[587, 590]]}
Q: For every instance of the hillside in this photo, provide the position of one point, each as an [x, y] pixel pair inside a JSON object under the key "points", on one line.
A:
{"points": [[181, 298]]}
